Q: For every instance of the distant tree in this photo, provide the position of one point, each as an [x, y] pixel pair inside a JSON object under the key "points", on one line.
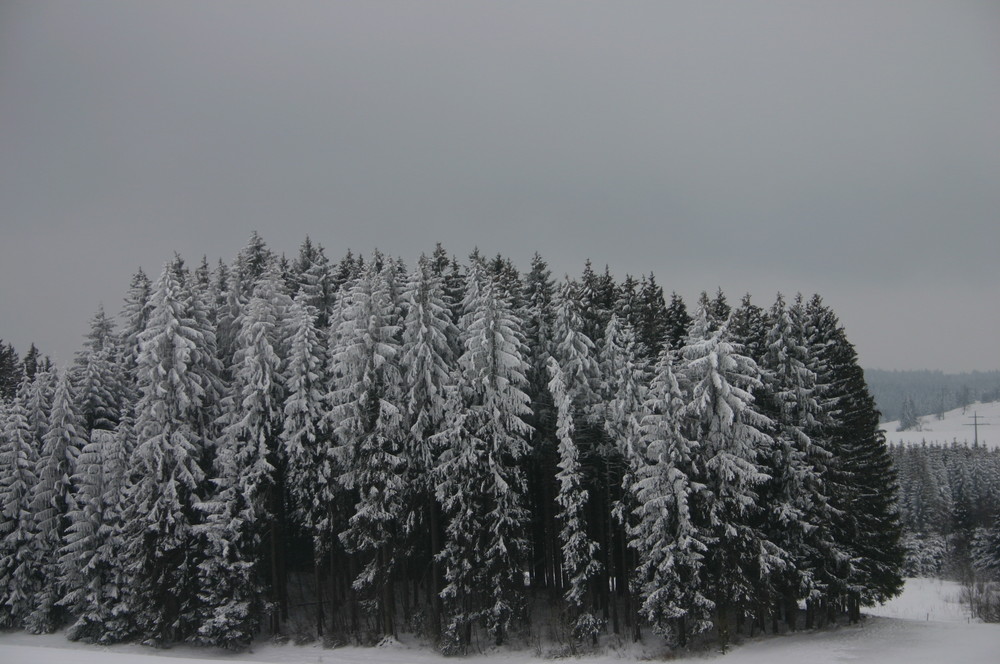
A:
{"points": [[908, 418]]}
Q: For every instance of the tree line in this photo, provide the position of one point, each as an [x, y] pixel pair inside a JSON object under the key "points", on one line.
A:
{"points": [[949, 504], [450, 449]]}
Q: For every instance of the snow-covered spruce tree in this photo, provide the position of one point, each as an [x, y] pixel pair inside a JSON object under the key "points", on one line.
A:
{"points": [[479, 482], [365, 416], [579, 551], [652, 330], [671, 530], [253, 260], [173, 370], [428, 365], [750, 325], [863, 491], [247, 504], [538, 315], [575, 352], [89, 563], [600, 467], [621, 392], [798, 515], [99, 383], [596, 296], [134, 315], [908, 418], [677, 322], [51, 502], [315, 281], [18, 463], [11, 371], [309, 472], [37, 398], [719, 417]]}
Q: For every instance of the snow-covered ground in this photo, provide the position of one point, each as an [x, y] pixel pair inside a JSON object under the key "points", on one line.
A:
{"points": [[956, 425], [925, 624]]}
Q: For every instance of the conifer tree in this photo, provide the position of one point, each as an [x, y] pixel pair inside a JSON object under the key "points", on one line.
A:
{"points": [[135, 314], [480, 484], [622, 390], [99, 384], [864, 489], [720, 418], [677, 321], [750, 326], [672, 527], [248, 500], [652, 330], [538, 316], [304, 442], [18, 464], [579, 551], [315, 279], [161, 504], [31, 362], [253, 261], [51, 502], [365, 416], [796, 497], [428, 366], [90, 570], [11, 371]]}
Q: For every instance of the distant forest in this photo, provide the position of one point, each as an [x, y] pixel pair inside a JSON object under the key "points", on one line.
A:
{"points": [[931, 392]]}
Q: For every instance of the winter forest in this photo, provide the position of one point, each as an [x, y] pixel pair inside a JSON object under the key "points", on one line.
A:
{"points": [[352, 449]]}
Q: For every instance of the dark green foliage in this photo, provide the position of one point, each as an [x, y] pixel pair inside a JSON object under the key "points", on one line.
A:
{"points": [[863, 479]]}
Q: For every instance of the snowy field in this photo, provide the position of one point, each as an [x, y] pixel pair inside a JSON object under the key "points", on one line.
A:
{"points": [[956, 425], [925, 624]]}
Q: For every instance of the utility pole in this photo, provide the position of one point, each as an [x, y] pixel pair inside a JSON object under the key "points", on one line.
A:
{"points": [[975, 426]]}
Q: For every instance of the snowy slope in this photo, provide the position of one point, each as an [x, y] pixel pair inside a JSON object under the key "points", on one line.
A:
{"points": [[925, 624], [956, 425]]}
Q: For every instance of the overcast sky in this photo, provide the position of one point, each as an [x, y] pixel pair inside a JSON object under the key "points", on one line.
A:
{"points": [[845, 148]]}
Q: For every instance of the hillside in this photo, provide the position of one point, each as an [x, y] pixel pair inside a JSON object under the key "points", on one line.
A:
{"points": [[955, 427], [931, 392]]}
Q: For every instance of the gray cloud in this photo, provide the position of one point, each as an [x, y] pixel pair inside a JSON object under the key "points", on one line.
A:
{"points": [[847, 148]]}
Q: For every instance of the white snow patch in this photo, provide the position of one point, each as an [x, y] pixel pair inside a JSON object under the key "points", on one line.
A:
{"points": [[955, 427], [928, 600]]}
